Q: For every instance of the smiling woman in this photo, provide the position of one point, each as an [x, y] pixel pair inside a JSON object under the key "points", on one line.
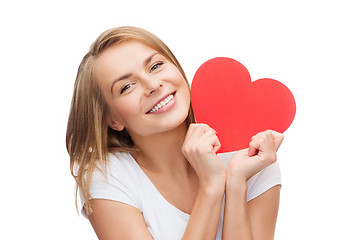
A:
{"points": [[144, 168], [148, 79]]}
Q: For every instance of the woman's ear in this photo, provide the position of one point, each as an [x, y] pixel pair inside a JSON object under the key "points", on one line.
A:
{"points": [[116, 125]]}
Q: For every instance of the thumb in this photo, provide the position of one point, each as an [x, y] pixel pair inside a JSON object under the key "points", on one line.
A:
{"points": [[253, 148], [217, 145]]}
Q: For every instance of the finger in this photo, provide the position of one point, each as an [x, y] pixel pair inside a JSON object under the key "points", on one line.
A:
{"points": [[259, 135], [206, 128], [194, 130], [253, 147], [262, 142], [217, 145], [255, 144], [209, 141], [267, 142], [196, 135], [278, 139], [191, 129]]}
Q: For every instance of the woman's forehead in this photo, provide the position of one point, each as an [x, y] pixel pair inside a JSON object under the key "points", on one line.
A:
{"points": [[122, 59], [128, 50]]}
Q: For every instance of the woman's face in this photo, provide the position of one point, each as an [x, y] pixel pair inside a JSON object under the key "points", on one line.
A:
{"points": [[146, 93]]}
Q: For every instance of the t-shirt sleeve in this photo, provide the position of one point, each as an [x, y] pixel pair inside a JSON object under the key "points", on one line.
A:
{"points": [[263, 181], [119, 184]]}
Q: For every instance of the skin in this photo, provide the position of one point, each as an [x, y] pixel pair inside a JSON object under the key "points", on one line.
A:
{"points": [[256, 219], [133, 78]]}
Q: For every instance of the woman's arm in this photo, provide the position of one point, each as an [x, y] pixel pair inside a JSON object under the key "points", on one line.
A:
{"points": [[263, 211], [256, 219], [200, 147], [115, 220], [236, 222], [203, 221]]}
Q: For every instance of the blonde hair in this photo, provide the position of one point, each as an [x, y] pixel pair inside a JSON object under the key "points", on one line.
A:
{"points": [[88, 136]]}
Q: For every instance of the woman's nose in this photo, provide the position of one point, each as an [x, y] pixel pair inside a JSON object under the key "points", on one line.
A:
{"points": [[152, 85]]}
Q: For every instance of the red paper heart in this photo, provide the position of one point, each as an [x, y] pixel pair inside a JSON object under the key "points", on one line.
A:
{"points": [[224, 97]]}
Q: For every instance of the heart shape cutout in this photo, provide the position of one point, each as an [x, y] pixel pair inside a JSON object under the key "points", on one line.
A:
{"points": [[224, 97]]}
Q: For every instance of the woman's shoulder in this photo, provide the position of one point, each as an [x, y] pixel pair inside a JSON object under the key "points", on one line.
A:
{"points": [[118, 165], [119, 180], [119, 170]]}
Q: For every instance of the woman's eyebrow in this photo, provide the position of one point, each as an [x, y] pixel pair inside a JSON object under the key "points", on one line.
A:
{"points": [[148, 60], [128, 75]]}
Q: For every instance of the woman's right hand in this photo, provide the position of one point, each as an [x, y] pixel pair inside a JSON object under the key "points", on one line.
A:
{"points": [[200, 146], [261, 153]]}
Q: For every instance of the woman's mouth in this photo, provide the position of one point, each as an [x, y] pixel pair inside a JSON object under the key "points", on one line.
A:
{"points": [[162, 103]]}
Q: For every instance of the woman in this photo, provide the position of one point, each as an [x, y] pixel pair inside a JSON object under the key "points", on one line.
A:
{"points": [[144, 168]]}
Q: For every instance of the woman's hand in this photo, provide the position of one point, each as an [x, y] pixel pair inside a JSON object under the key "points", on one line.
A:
{"points": [[200, 146], [260, 154]]}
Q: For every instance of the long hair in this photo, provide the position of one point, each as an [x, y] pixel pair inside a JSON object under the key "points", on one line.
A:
{"points": [[88, 136]]}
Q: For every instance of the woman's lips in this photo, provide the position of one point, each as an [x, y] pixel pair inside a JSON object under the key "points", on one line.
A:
{"points": [[162, 104]]}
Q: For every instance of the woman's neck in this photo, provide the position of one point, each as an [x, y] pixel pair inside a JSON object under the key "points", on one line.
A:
{"points": [[162, 152]]}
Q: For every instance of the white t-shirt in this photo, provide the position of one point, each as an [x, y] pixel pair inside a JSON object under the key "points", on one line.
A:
{"points": [[127, 183]]}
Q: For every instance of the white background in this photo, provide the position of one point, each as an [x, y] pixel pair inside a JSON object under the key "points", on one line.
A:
{"points": [[304, 44]]}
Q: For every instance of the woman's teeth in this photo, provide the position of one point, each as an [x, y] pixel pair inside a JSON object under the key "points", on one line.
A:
{"points": [[162, 103]]}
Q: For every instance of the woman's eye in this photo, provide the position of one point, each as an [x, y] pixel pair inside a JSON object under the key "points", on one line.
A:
{"points": [[125, 87], [155, 66]]}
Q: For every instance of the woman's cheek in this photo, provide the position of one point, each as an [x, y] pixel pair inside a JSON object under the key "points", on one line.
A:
{"points": [[129, 108], [125, 111]]}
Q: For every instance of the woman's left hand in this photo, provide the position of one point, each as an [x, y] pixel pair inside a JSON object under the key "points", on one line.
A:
{"points": [[260, 154]]}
